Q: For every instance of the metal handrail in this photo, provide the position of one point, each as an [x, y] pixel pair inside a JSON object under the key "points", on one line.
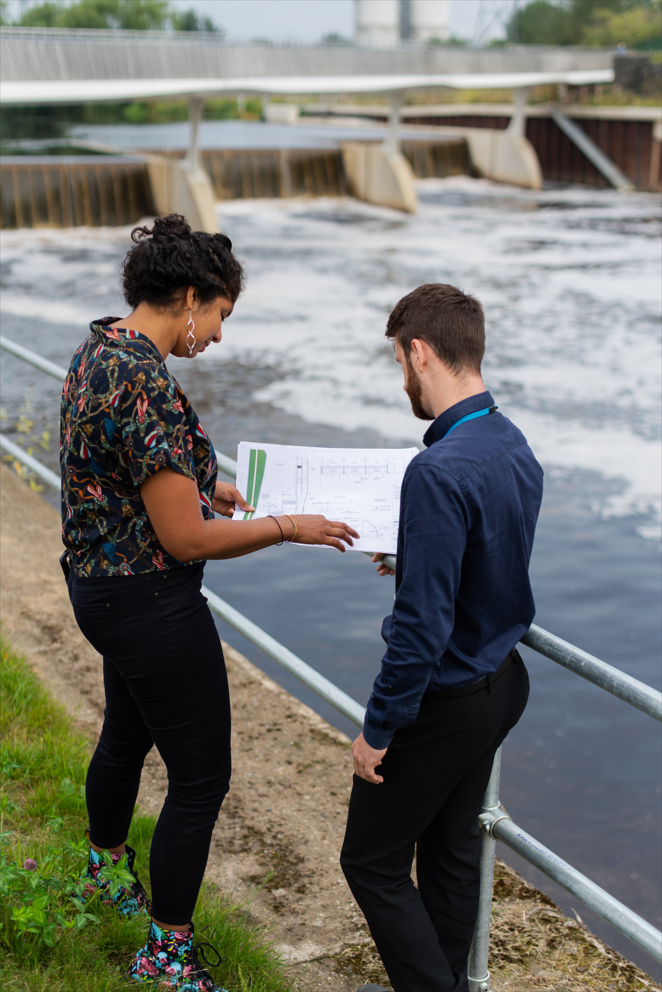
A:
{"points": [[610, 909], [613, 680], [494, 822], [322, 686], [32, 463], [43, 364]]}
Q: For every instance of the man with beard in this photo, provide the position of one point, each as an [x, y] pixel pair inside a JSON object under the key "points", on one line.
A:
{"points": [[452, 684]]}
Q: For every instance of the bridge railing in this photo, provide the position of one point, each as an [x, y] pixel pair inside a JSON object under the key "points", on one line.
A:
{"points": [[494, 821]]}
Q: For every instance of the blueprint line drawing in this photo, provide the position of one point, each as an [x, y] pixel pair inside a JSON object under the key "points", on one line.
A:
{"points": [[359, 486]]}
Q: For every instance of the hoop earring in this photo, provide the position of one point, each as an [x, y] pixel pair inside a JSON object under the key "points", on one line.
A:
{"points": [[190, 327]]}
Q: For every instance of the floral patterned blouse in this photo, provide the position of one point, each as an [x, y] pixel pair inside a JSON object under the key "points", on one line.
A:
{"points": [[123, 418]]}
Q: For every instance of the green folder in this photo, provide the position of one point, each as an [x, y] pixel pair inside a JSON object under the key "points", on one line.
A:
{"points": [[257, 460]]}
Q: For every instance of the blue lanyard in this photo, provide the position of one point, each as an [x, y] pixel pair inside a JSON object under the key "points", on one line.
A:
{"points": [[472, 416]]}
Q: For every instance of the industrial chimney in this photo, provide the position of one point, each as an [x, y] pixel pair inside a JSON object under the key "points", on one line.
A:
{"points": [[388, 22]]}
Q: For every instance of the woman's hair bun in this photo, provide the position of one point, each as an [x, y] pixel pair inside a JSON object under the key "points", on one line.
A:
{"points": [[223, 240], [164, 228], [168, 257]]}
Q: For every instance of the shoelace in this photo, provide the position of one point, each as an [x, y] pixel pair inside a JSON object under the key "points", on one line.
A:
{"points": [[197, 951], [198, 958]]}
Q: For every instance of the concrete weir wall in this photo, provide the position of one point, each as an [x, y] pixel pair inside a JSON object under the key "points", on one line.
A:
{"points": [[57, 191], [503, 157], [182, 187], [379, 176]]}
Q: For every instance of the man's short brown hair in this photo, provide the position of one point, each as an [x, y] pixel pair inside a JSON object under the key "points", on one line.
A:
{"points": [[450, 321]]}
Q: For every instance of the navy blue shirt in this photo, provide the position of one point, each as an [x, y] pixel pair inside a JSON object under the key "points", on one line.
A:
{"points": [[462, 592]]}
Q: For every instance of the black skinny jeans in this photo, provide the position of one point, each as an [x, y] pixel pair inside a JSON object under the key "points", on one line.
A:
{"points": [[435, 775], [166, 684]]}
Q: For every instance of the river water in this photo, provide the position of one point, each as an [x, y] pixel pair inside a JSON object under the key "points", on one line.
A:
{"points": [[570, 281]]}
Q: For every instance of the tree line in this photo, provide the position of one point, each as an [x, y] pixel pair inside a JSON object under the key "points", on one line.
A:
{"points": [[630, 23], [130, 15]]}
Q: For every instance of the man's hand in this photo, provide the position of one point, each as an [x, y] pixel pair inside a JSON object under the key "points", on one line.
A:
{"points": [[225, 497], [382, 569], [366, 760]]}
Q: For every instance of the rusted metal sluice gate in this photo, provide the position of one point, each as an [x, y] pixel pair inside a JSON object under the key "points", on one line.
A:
{"points": [[495, 823], [626, 136], [99, 190]]}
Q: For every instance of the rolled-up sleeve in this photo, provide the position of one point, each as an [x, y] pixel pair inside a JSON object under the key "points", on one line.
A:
{"points": [[434, 520], [154, 432]]}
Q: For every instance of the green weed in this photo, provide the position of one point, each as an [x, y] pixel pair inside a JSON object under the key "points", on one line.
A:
{"points": [[52, 940], [25, 438]]}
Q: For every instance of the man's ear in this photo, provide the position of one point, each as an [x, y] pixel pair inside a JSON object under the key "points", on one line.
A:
{"points": [[418, 354]]}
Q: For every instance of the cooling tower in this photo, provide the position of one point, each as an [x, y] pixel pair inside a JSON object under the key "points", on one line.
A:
{"points": [[422, 20], [377, 22], [388, 22]]}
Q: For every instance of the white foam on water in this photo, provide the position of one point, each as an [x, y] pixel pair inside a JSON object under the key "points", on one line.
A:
{"points": [[53, 277], [569, 278], [54, 311], [572, 300]]}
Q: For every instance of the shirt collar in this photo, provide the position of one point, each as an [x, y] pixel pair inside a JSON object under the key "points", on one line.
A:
{"points": [[441, 426], [110, 336]]}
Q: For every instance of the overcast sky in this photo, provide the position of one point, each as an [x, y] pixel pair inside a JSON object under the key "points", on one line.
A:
{"points": [[308, 20]]}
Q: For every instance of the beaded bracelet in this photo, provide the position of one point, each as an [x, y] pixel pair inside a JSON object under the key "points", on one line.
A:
{"points": [[282, 536], [295, 527]]}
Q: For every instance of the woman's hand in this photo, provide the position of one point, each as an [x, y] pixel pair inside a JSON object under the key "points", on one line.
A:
{"points": [[173, 505], [225, 497], [316, 529]]}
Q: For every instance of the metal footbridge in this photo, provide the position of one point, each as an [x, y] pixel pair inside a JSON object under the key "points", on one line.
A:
{"points": [[495, 823]]}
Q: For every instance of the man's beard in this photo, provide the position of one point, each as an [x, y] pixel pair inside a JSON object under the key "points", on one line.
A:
{"points": [[414, 391]]}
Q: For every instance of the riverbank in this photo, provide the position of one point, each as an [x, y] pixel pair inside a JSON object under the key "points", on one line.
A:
{"points": [[277, 840]]}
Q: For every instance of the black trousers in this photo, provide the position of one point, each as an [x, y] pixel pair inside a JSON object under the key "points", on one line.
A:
{"points": [[435, 775], [166, 684]]}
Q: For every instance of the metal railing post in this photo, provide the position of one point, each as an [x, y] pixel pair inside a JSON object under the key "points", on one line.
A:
{"points": [[477, 972]]}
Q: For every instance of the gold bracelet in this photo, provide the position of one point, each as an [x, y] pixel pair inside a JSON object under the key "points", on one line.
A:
{"points": [[295, 527]]}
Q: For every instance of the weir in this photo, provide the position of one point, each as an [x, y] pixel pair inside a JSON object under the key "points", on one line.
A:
{"points": [[600, 146], [494, 821], [239, 175], [100, 190], [56, 191]]}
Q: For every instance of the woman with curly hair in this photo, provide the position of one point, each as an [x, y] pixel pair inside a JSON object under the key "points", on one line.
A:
{"points": [[139, 492]]}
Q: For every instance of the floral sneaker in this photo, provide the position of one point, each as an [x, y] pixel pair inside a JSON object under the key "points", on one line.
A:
{"points": [[171, 962], [128, 901]]}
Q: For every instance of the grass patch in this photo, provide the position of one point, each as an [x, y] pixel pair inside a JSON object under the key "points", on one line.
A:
{"points": [[48, 944]]}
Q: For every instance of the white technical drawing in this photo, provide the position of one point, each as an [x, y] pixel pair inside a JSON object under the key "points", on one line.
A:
{"points": [[360, 486]]}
